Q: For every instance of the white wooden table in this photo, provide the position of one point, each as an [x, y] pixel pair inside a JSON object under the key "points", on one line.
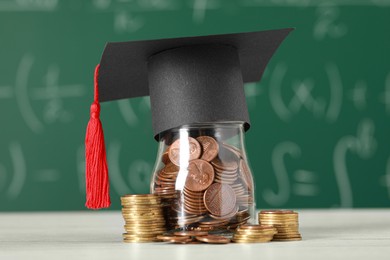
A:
{"points": [[327, 234]]}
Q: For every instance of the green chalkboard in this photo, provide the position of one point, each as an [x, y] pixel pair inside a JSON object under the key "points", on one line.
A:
{"points": [[320, 117]]}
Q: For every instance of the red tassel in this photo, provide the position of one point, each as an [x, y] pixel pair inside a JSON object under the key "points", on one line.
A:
{"points": [[96, 170]]}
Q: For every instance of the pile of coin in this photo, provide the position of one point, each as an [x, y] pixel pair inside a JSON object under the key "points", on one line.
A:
{"points": [[143, 217], [285, 221], [254, 234], [193, 237], [213, 191]]}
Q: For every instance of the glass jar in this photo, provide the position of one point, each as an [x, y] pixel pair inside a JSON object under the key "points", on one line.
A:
{"points": [[202, 175]]}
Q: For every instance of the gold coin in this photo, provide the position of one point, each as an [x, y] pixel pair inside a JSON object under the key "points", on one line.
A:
{"points": [[140, 226], [129, 235], [145, 233], [251, 240], [144, 222], [288, 239], [139, 196], [143, 217], [140, 240]]}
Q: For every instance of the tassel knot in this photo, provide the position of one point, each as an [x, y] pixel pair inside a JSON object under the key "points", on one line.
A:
{"points": [[95, 110]]}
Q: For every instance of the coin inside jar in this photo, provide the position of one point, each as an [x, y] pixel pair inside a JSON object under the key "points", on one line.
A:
{"points": [[210, 147], [200, 175], [193, 152], [220, 199]]}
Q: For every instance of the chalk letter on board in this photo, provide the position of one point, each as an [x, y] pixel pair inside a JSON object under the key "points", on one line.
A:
{"points": [[19, 167], [281, 197], [385, 179], [363, 145], [386, 94]]}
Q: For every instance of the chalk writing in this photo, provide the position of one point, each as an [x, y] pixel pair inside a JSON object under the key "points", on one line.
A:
{"points": [[18, 172], [303, 97], [327, 24], [252, 91], [385, 97], [305, 183], [304, 180], [358, 95], [364, 145], [125, 22], [52, 92], [385, 179]]}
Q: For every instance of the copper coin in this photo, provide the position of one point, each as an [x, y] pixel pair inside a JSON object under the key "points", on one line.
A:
{"points": [[164, 237], [165, 158], [213, 239], [224, 165], [193, 150], [200, 175], [187, 241], [174, 239], [233, 149], [191, 233], [210, 147], [190, 193], [225, 217], [170, 168], [212, 222], [220, 199]]}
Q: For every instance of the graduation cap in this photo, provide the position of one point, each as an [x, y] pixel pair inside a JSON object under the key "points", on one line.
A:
{"points": [[189, 80]]}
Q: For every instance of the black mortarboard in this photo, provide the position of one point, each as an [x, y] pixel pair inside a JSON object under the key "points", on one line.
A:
{"points": [[190, 80]]}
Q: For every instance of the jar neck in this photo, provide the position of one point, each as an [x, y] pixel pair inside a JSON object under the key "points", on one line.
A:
{"points": [[222, 131]]}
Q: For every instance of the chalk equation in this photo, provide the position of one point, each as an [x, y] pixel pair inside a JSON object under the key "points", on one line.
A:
{"points": [[364, 145], [328, 23], [13, 179], [304, 182], [303, 97], [321, 107], [51, 94], [16, 173]]}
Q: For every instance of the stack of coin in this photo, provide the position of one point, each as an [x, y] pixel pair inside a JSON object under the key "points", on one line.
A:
{"points": [[143, 217], [254, 234], [212, 192], [285, 221], [193, 237], [165, 181]]}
